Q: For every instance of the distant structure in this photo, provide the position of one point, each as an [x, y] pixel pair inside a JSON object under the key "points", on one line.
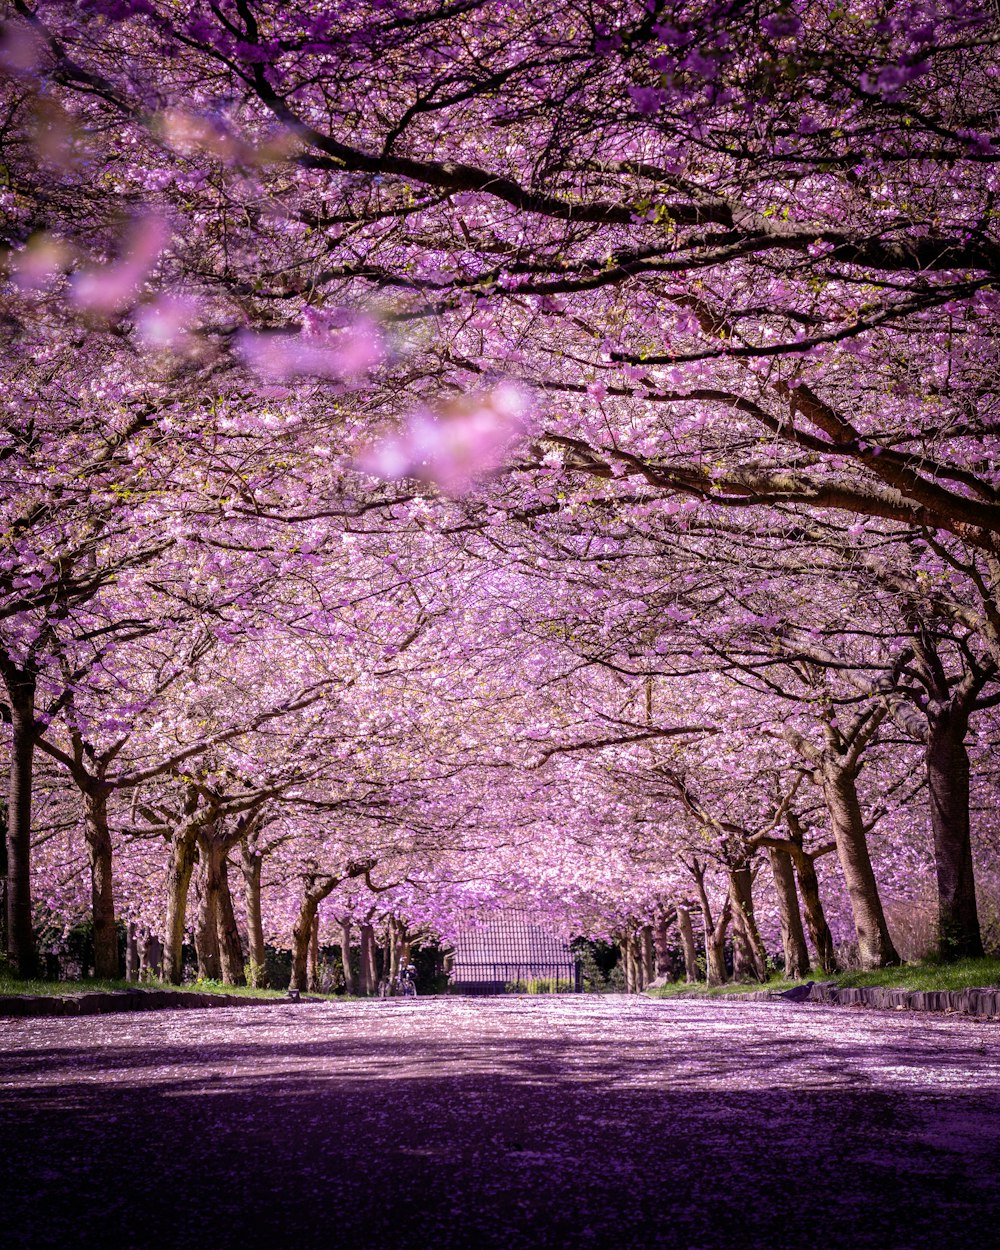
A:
{"points": [[511, 955]]}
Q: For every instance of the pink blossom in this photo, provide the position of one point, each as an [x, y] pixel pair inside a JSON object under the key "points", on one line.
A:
{"points": [[108, 289], [316, 351], [165, 322], [455, 446]]}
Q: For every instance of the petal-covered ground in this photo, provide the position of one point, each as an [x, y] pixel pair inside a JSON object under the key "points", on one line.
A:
{"points": [[557, 1122]]}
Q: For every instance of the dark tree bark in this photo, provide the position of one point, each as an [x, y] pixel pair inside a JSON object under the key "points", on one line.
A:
{"points": [[634, 962], [22, 951], [151, 956], [793, 938], [715, 930], [947, 761], [301, 935], [393, 946], [836, 766], [648, 956], [230, 946], [749, 955], [875, 946], [312, 975], [369, 974], [812, 903], [631, 955], [206, 930], [345, 957], [688, 948], [316, 890], [183, 851], [102, 893], [664, 964], [252, 864], [132, 960]]}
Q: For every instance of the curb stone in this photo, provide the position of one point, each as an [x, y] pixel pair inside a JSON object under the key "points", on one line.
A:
{"points": [[983, 1003]]}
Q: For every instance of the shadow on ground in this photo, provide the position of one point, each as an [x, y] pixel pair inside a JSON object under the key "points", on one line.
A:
{"points": [[399, 1140]]}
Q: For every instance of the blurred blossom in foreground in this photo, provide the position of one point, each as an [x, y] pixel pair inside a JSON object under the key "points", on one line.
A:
{"points": [[34, 269], [20, 49], [322, 349], [193, 134], [108, 289], [165, 322], [459, 444]]}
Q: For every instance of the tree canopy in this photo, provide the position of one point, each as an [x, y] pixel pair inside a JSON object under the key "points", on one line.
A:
{"points": [[462, 454]]}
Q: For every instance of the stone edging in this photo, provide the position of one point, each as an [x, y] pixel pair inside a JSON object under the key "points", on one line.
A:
{"points": [[103, 1002], [981, 1003]]}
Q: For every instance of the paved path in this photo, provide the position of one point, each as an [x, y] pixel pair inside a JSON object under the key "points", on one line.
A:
{"points": [[573, 1122]]}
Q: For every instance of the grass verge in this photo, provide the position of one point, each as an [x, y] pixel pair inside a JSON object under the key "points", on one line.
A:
{"points": [[927, 975], [11, 985]]}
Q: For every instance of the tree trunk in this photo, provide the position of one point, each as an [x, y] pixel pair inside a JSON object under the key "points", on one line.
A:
{"points": [[812, 905], [255, 920], [631, 963], [131, 953], [206, 930], [648, 956], [151, 956], [345, 956], [392, 950], [95, 806], [635, 959], [947, 762], [715, 932], [182, 860], [875, 948], [313, 964], [715, 952], [749, 955], [664, 964], [793, 938], [688, 947], [21, 949], [369, 973], [230, 946], [302, 933]]}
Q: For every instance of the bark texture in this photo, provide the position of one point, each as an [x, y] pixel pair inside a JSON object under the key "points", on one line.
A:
{"points": [[715, 930], [251, 863], [664, 963], [183, 851], [648, 955], [369, 973], [230, 946], [875, 946], [102, 891], [21, 949], [312, 972], [688, 948], [345, 957], [947, 761], [206, 931], [793, 938], [749, 955]]}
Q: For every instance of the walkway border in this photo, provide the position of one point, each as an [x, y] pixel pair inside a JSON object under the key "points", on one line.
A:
{"points": [[108, 1002], [981, 1003]]}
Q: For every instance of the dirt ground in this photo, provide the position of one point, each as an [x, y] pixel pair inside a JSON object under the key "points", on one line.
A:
{"points": [[577, 1122]]}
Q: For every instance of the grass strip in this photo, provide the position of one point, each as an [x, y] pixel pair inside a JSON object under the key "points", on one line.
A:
{"points": [[926, 975]]}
